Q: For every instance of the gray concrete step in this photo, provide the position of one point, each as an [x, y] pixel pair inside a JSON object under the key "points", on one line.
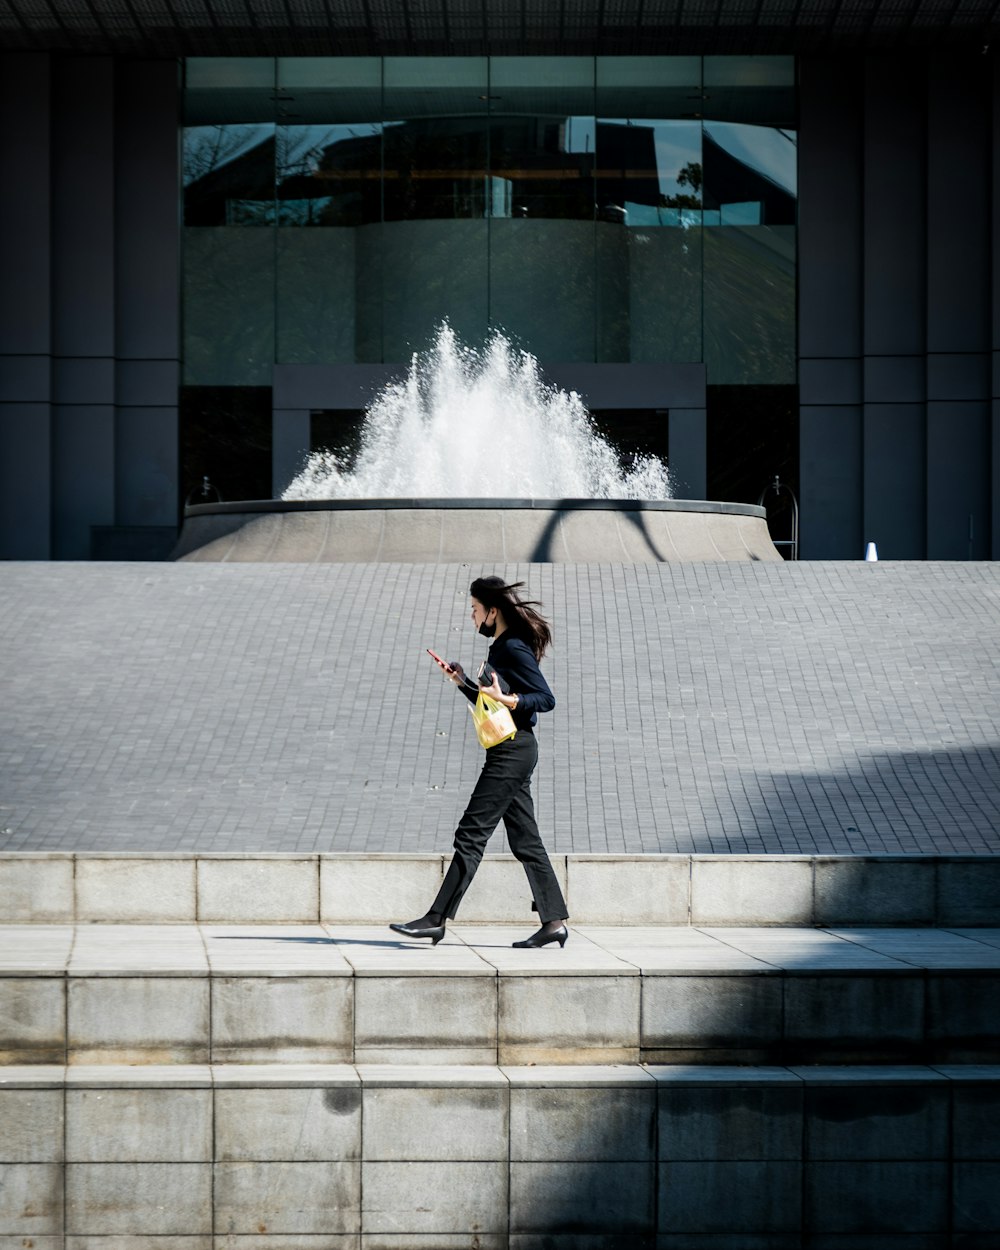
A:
{"points": [[182, 994], [132, 887], [382, 1157]]}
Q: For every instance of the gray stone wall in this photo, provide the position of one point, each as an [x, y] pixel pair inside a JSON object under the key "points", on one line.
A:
{"points": [[336, 1157]]}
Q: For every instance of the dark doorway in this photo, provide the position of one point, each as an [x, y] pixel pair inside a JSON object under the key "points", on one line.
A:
{"points": [[225, 434], [753, 437]]}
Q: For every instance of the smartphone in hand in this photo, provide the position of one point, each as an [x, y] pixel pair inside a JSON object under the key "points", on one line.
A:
{"points": [[437, 659]]}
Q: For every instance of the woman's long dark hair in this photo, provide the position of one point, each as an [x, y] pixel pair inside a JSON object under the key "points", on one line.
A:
{"points": [[522, 620]]}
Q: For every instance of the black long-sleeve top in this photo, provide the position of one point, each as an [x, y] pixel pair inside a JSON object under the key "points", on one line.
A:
{"points": [[519, 674]]}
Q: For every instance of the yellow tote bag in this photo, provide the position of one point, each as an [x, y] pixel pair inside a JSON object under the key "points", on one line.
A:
{"points": [[493, 721]]}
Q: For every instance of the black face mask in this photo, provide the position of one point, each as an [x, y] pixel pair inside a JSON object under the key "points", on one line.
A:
{"points": [[488, 631]]}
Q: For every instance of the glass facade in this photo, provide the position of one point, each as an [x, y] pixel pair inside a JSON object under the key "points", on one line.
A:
{"points": [[609, 209]]}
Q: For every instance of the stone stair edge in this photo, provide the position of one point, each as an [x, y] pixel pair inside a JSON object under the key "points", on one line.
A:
{"points": [[349, 887], [91, 997], [727, 856], [597, 1076]]}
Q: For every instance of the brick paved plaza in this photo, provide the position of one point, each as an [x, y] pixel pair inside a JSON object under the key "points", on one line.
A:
{"points": [[811, 708]]}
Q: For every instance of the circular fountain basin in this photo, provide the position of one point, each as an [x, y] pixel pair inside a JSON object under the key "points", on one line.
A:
{"points": [[461, 531]]}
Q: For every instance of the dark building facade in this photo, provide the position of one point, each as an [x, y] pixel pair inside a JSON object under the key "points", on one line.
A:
{"points": [[758, 239]]}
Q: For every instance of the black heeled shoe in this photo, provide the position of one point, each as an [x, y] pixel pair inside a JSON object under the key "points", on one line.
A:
{"points": [[541, 938], [434, 932]]}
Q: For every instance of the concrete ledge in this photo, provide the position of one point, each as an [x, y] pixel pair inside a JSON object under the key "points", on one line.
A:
{"points": [[294, 995], [767, 890], [378, 1157]]}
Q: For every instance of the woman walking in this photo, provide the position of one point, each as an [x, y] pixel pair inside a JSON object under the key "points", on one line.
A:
{"points": [[512, 677]]}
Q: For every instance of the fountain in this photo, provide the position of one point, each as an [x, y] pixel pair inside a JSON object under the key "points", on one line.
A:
{"points": [[463, 418], [440, 454]]}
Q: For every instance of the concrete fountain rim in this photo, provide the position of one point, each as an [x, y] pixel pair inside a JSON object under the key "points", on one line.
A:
{"points": [[229, 507]]}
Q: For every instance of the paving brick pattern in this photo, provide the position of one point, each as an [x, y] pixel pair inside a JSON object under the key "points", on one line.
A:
{"points": [[811, 708]]}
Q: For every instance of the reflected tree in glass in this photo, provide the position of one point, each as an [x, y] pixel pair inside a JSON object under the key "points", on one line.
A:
{"points": [[327, 187], [228, 174], [228, 285]]}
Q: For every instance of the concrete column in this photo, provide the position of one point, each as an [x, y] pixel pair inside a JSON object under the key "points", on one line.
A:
{"points": [[83, 224], [895, 287], [995, 281], [687, 441], [25, 492], [995, 481], [83, 439], [147, 304], [895, 479], [146, 464], [959, 312], [895, 213], [830, 207], [831, 286], [83, 321], [958, 479], [830, 454], [25, 308], [147, 234], [290, 432], [958, 206], [25, 304]]}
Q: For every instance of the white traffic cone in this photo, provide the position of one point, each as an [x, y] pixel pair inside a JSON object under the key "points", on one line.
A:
{"points": [[871, 552]]}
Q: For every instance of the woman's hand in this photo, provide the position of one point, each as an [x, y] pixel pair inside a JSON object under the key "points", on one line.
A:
{"points": [[452, 671], [494, 692]]}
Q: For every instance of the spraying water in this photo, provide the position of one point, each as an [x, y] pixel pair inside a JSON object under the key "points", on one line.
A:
{"points": [[467, 423]]}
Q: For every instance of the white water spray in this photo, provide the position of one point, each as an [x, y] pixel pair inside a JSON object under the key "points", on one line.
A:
{"points": [[466, 423]]}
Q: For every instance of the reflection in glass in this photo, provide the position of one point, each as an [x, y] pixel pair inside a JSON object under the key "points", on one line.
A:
{"points": [[542, 241], [435, 168], [542, 285], [435, 146], [749, 257], [749, 285], [649, 172], [613, 208], [546, 164], [649, 175], [228, 306], [228, 282], [436, 197], [433, 245], [228, 72], [228, 175], [750, 174], [432, 271], [329, 175], [350, 76]]}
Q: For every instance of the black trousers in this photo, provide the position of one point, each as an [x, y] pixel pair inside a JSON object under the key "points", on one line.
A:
{"points": [[503, 792]]}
